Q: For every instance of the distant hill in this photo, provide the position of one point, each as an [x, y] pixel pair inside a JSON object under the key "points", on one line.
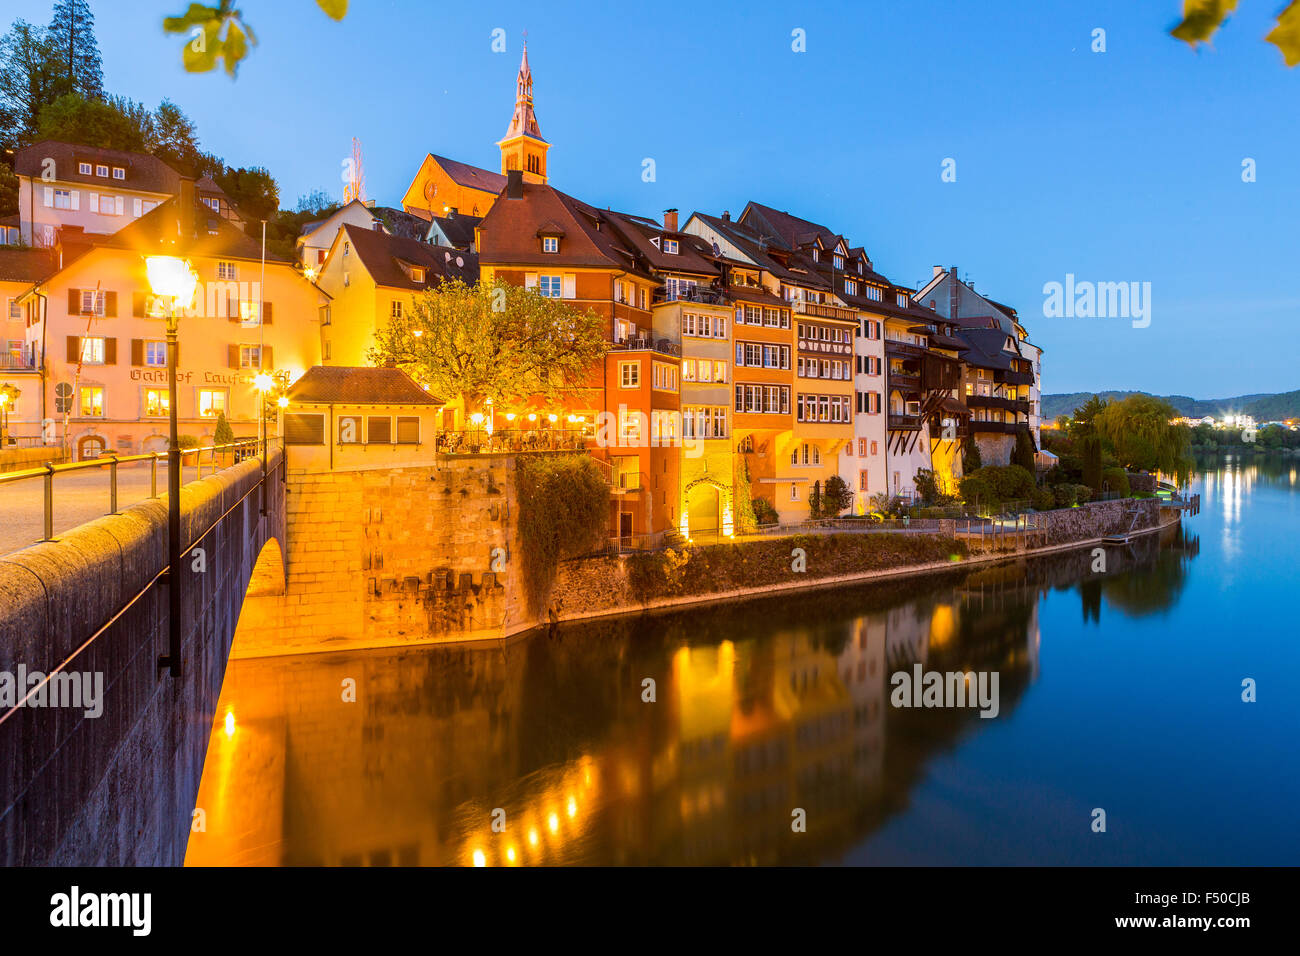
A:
{"points": [[1263, 407]]}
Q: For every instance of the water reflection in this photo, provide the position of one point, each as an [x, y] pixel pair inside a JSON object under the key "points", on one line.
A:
{"points": [[759, 709]]}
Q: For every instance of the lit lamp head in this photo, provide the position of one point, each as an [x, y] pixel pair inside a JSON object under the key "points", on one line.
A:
{"points": [[263, 382], [283, 401], [171, 278]]}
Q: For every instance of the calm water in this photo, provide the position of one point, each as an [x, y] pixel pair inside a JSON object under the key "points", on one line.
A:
{"points": [[1119, 690]]}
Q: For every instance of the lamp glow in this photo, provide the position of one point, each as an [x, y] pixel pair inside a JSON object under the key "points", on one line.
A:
{"points": [[171, 277]]}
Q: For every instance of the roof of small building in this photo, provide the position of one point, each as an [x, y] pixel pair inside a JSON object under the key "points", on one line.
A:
{"points": [[475, 177], [458, 229], [358, 385], [26, 265], [382, 256]]}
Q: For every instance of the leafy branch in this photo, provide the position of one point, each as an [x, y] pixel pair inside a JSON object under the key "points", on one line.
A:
{"points": [[1202, 19], [220, 33]]}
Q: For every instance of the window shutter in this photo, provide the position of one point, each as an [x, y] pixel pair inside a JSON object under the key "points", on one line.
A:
{"points": [[530, 280], [119, 204], [570, 286], [266, 358], [138, 304], [304, 429], [110, 305], [137, 351], [76, 198], [74, 349], [94, 202], [267, 313], [74, 302], [232, 356], [137, 207], [49, 195], [110, 351]]}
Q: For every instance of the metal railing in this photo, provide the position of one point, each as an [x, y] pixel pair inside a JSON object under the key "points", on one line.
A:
{"points": [[20, 363], [219, 456], [509, 441]]}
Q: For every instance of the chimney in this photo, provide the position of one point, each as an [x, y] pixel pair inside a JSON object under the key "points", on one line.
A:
{"points": [[938, 271], [514, 184], [185, 208], [726, 215], [954, 296], [670, 220]]}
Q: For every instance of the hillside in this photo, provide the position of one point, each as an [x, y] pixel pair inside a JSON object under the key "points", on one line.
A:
{"points": [[1263, 407]]}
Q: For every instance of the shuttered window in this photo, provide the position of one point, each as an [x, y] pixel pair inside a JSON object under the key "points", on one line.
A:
{"points": [[408, 430], [379, 429], [301, 428]]}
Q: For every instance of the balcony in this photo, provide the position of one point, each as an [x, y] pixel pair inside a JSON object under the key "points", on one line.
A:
{"points": [[910, 381], [897, 349], [820, 311], [1000, 428], [690, 294], [1008, 377], [11, 362], [905, 423], [647, 344]]}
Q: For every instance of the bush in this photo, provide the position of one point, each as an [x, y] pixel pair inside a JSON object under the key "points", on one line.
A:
{"points": [[1082, 494], [997, 483], [764, 512], [563, 511], [970, 456], [1115, 479], [1065, 495], [1043, 499], [223, 434], [977, 491], [187, 441], [836, 497]]}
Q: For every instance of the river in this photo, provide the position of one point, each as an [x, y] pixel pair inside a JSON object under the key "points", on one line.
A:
{"points": [[771, 737]]}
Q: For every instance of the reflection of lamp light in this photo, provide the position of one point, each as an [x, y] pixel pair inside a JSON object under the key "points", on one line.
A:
{"points": [[532, 416], [552, 418], [417, 332], [572, 419], [477, 418], [510, 416]]}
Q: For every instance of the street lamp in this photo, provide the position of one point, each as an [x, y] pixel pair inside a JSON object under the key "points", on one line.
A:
{"points": [[8, 400], [173, 281]]}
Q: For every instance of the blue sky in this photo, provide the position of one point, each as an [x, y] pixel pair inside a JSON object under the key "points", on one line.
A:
{"points": [[1115, 166]]}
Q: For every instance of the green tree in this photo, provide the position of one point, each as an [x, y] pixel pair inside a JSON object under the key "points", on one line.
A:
{"points": [[815, 500], [29, 80], [970, 456], [1089, 442], [743, 519], [8, 190], [176, 139], [222, 434], [73, 118], [1024, 452], [1140, 430], [836, 497], [72, 30], [1202, 19], [498, 342]]}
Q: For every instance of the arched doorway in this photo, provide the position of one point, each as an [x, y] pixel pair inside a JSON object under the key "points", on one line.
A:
{"points": [[90, 446], [702, 509]]}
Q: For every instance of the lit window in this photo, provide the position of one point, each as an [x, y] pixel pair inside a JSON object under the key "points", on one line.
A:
{"points": [[92, 401], [417, 274], [155, 402], [629, 374], [92, 351], [211, 402]]}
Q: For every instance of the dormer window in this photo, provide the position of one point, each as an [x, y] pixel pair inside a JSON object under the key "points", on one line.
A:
{"points": [[901, 298], [550, 244], [815, 256], [859, 268], [417, 274], [101, 171], [119, 172], [839, 262], [670, 246], [83, 168], [851, 287]]}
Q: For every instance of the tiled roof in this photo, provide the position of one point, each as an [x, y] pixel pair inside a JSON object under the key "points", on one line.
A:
{"points": [[214, 236], [355, 385], [793, 231], [143, 172], [26, 265], [382, 255], [459, 229], [463, 174], [401, 223]]}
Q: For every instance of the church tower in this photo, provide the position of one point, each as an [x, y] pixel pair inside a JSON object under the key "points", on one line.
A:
{"points": [[523, 147]]}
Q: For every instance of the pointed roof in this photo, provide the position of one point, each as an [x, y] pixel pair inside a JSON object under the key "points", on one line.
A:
{"points": [[524, 120]]}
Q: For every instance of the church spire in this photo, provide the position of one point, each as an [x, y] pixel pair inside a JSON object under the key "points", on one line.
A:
{"points": [[523, 147], [524, 120]]}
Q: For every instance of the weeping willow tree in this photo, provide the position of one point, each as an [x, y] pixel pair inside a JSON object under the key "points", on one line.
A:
{"points": [[1141, 432], [1088, 440]]}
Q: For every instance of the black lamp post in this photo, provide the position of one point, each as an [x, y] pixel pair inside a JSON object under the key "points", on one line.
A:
{"points": [[173, 281]]}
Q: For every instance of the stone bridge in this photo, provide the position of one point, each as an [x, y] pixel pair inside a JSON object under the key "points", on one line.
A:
{"points": [[112, 780]]}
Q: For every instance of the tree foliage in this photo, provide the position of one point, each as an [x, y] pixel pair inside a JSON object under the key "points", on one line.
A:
{"points": [[498, 342], [563, 512], [743, 519], [836, 496], [1140, 431], [30, 79], [72, 31], [1202, 19], [221, 35]]}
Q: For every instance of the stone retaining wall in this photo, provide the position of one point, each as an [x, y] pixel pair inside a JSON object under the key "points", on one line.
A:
{"points": [[21, 459]]}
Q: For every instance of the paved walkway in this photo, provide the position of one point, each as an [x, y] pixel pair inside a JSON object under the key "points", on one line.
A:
{"points": [[79, 496]]}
